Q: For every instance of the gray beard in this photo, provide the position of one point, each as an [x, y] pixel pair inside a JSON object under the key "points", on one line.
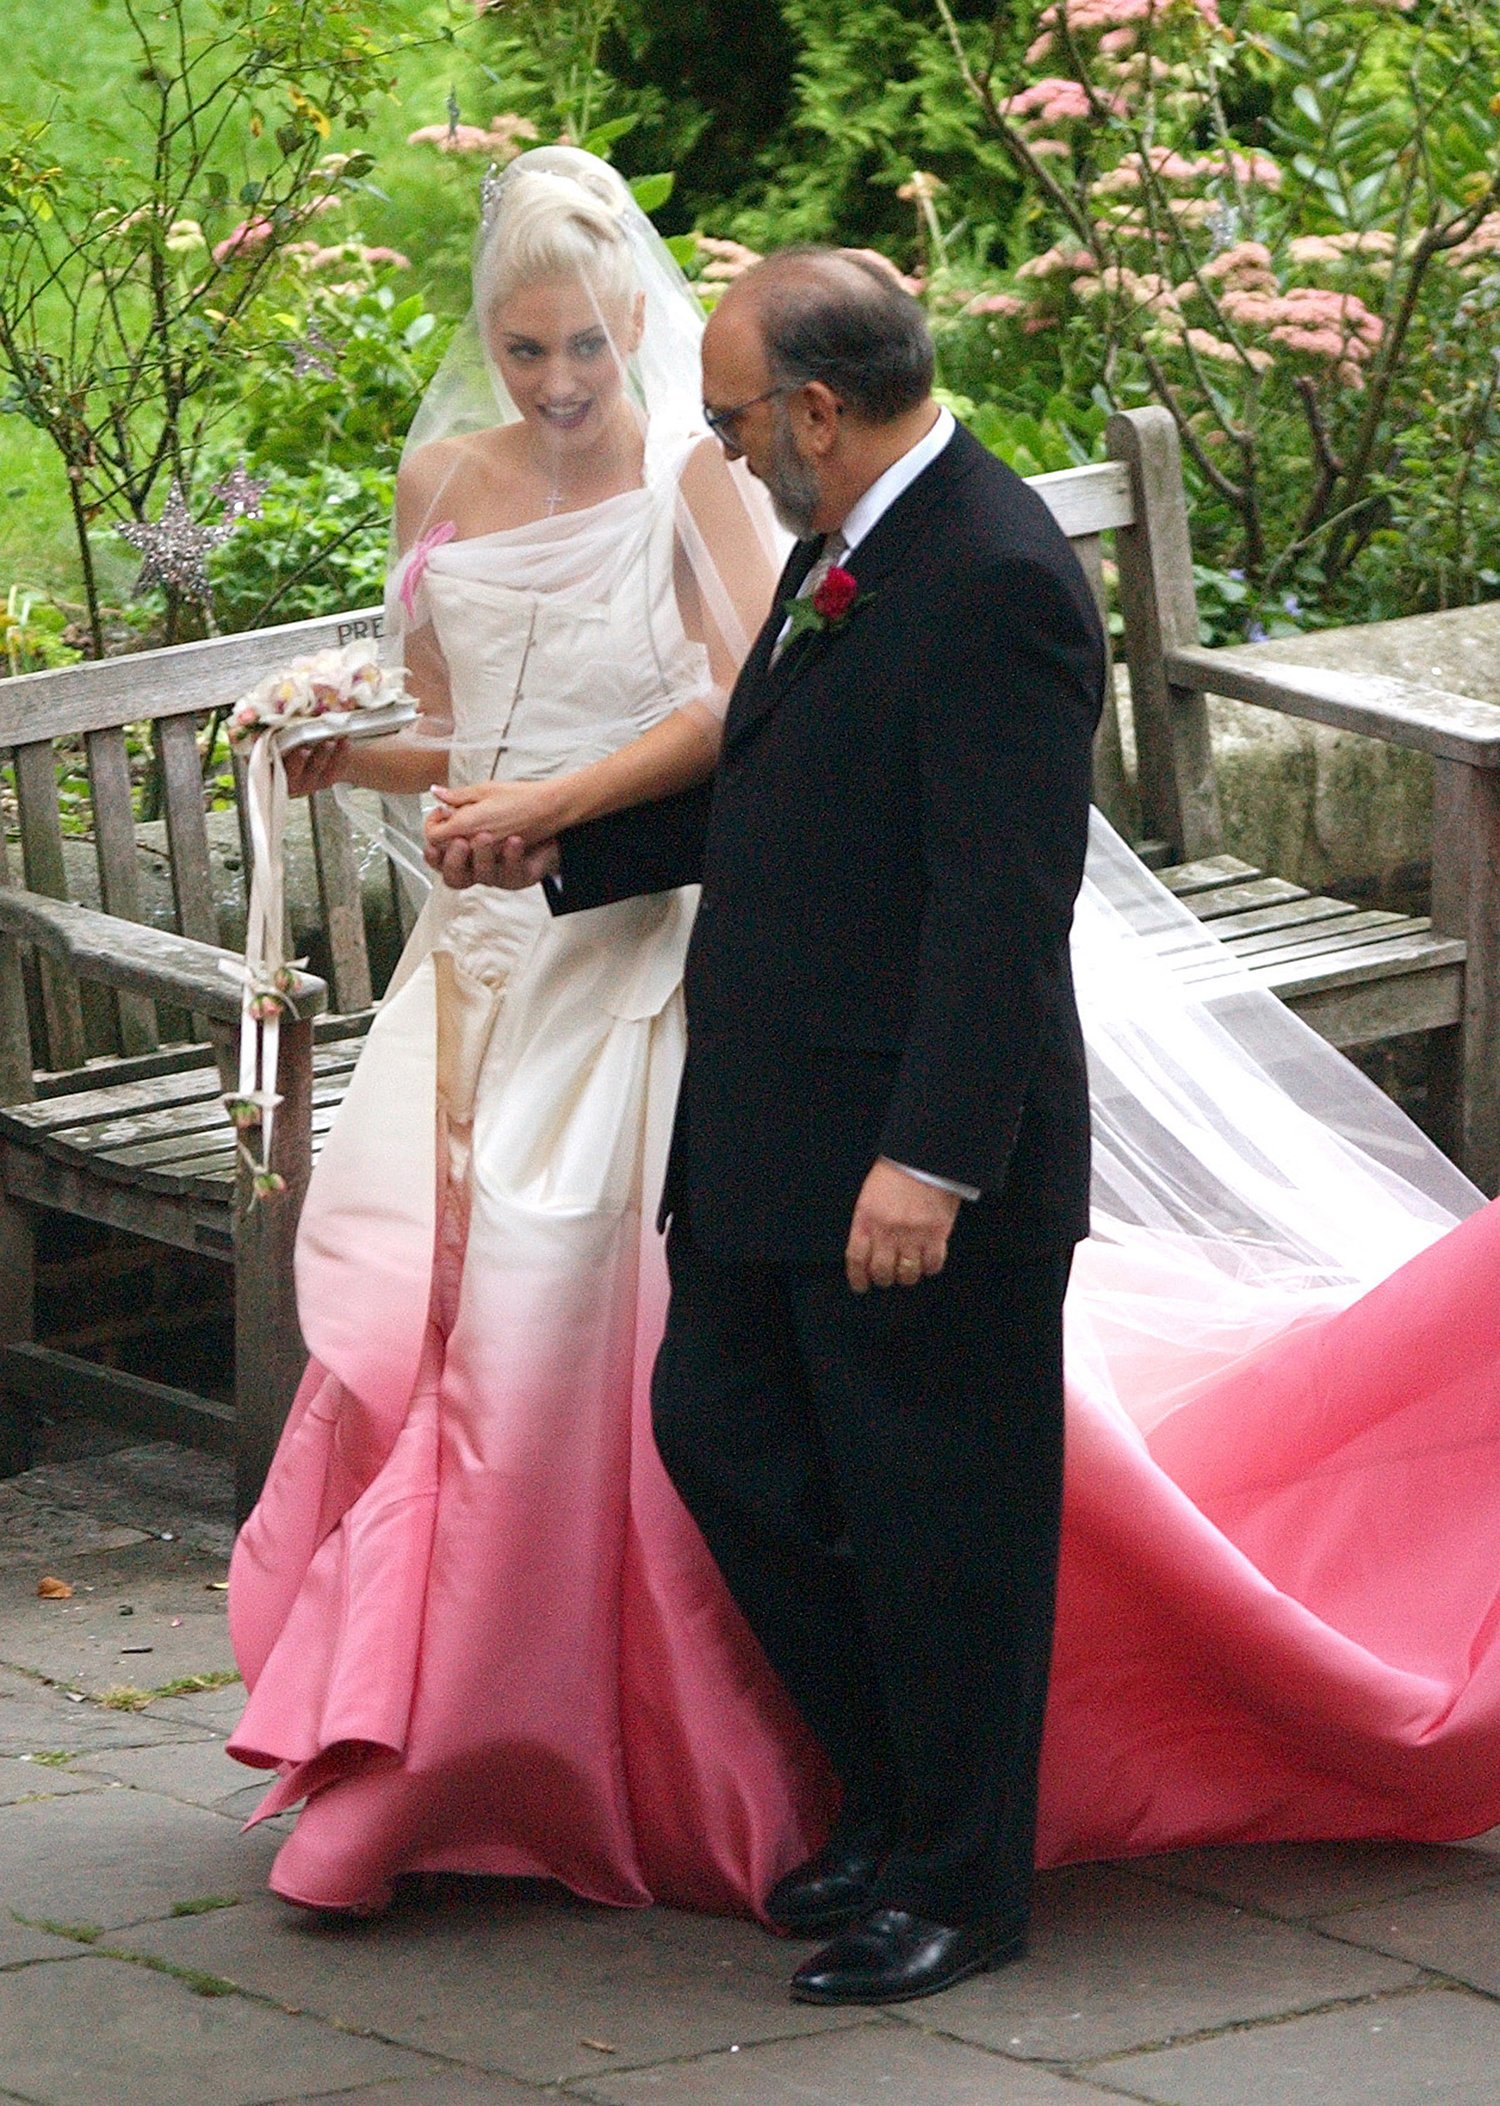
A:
{"points": [[790, 483]]}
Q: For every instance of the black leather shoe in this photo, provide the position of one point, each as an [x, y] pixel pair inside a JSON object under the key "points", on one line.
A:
{"points": [[831, 1889], [887, 1955]]}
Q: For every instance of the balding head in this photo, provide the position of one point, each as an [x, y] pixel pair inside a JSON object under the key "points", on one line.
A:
{"points": [[826, 315]]}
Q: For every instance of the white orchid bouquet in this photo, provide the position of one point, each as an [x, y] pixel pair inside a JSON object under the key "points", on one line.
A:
{"points": [[337, 693]]}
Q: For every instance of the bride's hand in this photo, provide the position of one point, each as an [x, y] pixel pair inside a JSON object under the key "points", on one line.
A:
{"points": [[503, 810], [310, 769]]}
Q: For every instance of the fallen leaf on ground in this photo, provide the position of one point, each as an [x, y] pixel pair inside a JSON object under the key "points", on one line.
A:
{"points": [[54, 1589]]}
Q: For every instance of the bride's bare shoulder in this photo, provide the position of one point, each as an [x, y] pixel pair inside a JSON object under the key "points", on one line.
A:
{"points": [[452, 477]]}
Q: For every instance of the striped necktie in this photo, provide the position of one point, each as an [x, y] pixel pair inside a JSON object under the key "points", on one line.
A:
{"points": [[835, 548]]}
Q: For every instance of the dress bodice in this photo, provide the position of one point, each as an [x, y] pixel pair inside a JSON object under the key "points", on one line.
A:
{"points": [[563, 639]]}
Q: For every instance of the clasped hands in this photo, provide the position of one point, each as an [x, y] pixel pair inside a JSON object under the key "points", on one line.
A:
{"points": [[493, 833], [504, 833]]}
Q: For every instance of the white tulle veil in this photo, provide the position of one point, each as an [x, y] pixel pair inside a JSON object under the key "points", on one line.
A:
{"points": [[560, 215], [1245, 1172], [1247, 1177]]}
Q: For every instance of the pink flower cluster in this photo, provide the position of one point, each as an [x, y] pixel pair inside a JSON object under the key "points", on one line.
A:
{"points": [[315, 257], [249, 235], [1051, 261], [1209, 346], [1334, 248], [1480, 246], [501, 138], [1336, 328], [1052, 101], [1007, 305], [1115, 20], [1118, 282], [1249, 171], [727, 259], [253, 234], [1246, 266]]}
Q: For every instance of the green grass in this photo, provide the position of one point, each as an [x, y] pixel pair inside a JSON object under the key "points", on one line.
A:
{"points": [[78, 1933], [126, 1697]]}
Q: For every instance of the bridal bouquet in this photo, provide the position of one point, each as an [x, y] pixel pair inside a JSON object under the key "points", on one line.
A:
{"points": [[343, 693]]}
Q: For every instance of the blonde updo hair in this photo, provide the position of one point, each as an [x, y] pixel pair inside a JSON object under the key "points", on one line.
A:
{"points": [[555, 212]]}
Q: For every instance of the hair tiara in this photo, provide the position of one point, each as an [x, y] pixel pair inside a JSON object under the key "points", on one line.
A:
{"points": [[610, 192]]}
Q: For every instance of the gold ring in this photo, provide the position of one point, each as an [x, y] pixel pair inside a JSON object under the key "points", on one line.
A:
{"points": [[908, 1265]]}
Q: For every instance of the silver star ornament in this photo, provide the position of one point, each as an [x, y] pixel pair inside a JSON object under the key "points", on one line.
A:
{"points": [[174, 549], [240, 493]]}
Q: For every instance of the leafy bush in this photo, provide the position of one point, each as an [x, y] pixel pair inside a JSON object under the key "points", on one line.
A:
{"points": [[32, 630], [1226, 214], [366, 350], [135, 256], [319, 546]]}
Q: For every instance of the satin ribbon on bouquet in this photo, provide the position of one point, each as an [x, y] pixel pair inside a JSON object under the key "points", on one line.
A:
{"points": [[266, 976], [343, 693]]}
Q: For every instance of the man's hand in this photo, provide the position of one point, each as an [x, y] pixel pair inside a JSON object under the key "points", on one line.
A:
{"points": [[900, 1230], [483, 860]]}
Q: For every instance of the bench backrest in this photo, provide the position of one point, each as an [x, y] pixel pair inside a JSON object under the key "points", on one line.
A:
{"points": [[1135, 497], [45, 718]]}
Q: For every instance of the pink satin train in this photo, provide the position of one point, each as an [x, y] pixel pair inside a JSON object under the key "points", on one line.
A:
{"points": [[1277, 1620]]}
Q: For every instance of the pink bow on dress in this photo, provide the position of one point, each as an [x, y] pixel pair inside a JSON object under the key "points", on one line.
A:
{"points": [[416, 563]]}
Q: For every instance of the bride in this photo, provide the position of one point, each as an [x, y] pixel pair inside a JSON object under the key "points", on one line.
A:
{"points": [[479, 1632]]}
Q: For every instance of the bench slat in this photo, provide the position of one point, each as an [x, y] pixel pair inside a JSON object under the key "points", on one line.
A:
{"points": [[1373, 961], [177, 1121], [45, 872], [1090, 500], [17, 1085], [1244, 928], [1235, 899], [187, 828], [1207, 874], [120, 1100], [340, 894], [182, 680], [119, 874], [171, 1166], [1333, 932]]}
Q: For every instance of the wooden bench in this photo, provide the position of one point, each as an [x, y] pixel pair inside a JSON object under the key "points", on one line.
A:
{"points": [[131, 1132], [1358, 978], [116, 1038]]}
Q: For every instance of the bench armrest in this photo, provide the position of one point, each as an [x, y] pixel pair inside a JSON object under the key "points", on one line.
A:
{"points": [[147, 961], [1451, 727]]}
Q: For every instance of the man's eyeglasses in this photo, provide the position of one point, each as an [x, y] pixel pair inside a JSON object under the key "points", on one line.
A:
{"points": [[721, 422]]}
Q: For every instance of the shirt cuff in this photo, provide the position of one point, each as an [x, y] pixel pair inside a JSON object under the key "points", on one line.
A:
{"points": [[944, 1184]]}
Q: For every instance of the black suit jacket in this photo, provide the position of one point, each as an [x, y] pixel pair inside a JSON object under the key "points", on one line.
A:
{"points": [[889, 858]]}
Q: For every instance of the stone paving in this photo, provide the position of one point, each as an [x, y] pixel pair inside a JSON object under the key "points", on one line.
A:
{"points": [[142, 1960]]}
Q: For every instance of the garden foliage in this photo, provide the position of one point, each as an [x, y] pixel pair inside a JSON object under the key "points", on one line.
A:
{"points": [[1279, 218], [142, 276]]}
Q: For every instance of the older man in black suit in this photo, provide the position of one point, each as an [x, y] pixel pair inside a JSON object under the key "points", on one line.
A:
{"points": [[880, 1164]]}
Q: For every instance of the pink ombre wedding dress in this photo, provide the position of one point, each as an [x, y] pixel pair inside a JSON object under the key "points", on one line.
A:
{"points": [[479, 1630], [480, 1633]]}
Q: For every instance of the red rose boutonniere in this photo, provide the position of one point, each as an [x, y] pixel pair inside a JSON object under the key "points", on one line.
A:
{"points": [[831, 605]]}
